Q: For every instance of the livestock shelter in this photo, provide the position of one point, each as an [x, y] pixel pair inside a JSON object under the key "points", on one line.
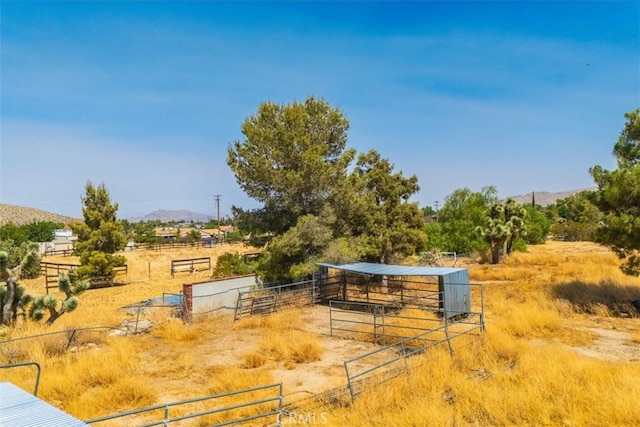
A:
{"points": [[394, 302], [443, 289]]}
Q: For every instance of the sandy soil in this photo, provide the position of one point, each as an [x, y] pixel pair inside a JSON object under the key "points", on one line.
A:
{"points": [[613, 339]]}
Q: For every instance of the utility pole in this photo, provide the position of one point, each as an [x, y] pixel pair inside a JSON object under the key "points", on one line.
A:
{"points": [[217, 199]]}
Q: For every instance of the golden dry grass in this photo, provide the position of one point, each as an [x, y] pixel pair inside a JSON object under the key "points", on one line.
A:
{"points": [[282, 339], [542, 306]]}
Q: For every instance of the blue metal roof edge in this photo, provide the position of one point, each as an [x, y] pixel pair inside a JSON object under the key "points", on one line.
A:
{"points": [[21, 409], [392, 270]]}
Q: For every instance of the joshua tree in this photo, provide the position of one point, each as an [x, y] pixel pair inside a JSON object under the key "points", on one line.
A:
{"points": [[71, 286], [505, 223], [12, 295], [16, 302], [496, 232]]}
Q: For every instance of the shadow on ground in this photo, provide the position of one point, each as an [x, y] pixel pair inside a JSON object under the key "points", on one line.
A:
{"points": [[606, 297]]}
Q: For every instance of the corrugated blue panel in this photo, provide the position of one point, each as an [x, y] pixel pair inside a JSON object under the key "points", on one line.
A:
{"points": [[21, 409], [393, 270]]}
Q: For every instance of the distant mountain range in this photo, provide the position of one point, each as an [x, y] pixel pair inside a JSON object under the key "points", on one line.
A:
{"points": [[544, 198], [20, 215], [172, 216]]}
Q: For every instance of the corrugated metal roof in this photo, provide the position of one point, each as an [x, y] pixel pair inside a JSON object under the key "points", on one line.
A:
{"points": [[393, 270], [19, 408]]}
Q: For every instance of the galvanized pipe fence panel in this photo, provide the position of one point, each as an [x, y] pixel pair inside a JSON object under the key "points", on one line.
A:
{"points": [[269, 299], [269, 405], [67, 336], [38, 372]]}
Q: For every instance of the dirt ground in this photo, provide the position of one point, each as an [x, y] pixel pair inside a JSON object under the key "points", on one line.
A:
{"points": [[305, 378], [613, 339]]}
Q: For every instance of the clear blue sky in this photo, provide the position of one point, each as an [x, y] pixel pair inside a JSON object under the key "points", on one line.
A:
{"points": [[145, 97]]}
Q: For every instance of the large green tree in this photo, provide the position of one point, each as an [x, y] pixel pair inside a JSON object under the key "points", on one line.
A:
{"points": [[100, 236], [618, 197], [295, 162], [575, 217], [35, 231], [290, 160], [381, 213], [462, 212], [537, 224]]}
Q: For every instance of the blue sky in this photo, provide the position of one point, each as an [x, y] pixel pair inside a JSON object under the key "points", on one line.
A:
{"points": [[145, 97]]}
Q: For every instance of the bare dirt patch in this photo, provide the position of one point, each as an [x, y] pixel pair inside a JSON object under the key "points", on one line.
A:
{"points": [[611, 344], [230, 344], [604, 338]]}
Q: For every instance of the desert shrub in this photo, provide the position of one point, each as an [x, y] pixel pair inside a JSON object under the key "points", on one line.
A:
{"points": [[253, 360], [232, 264], [305, 351], [572, 231]]}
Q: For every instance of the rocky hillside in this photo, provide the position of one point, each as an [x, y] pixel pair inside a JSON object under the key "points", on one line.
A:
{"points": [[20, 215], [544, 198]]}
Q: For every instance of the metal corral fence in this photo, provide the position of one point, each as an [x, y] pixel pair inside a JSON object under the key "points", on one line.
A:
{"points": [[266, 299], [385, 323], [391, 360], [56, 342], [171, 302], [353, 287], [265, 402]]}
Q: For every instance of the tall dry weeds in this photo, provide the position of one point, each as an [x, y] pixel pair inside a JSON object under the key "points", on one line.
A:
{"points": [[522, 371]]}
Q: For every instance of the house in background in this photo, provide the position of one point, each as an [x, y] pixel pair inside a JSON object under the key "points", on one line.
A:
{"points": [[168, 234], [62, 242]]}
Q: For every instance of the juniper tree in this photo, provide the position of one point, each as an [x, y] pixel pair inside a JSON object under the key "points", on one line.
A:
{"points": [[100, 236], [618, 197]]}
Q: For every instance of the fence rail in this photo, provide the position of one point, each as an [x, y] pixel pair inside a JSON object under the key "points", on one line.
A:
{"points": [[269, 299], [161, 246], [38, 372], [51, 271], [397, 354], [71, 335], [264, 407], [190, 265], [63, 252], [391, 322]]}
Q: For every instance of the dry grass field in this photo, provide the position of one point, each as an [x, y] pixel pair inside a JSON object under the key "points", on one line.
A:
{"points": [[562, 347]]}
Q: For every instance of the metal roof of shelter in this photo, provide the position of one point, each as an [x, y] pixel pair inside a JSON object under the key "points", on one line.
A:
{"points": [[19, 408], [393, 270]]}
